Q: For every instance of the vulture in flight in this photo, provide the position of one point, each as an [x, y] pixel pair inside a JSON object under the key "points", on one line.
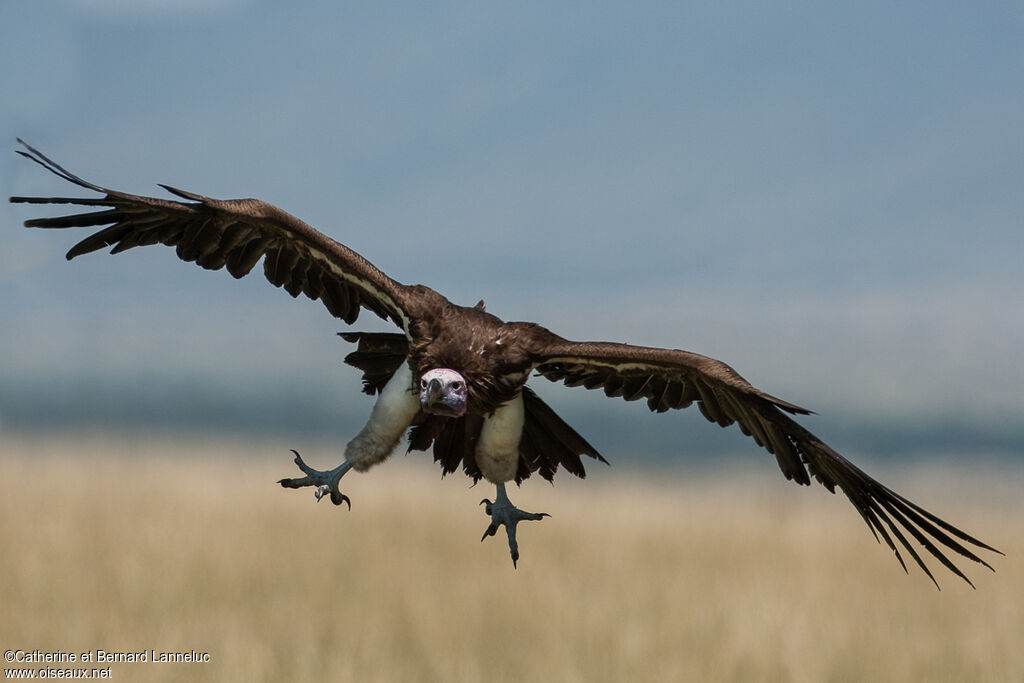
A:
{"points": [[454, 377]]}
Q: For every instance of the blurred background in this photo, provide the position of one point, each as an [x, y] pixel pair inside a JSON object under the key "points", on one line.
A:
{"points": [[827, 198]]}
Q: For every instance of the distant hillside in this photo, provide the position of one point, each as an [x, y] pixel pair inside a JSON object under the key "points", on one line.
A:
{"points": [[336, 410]]}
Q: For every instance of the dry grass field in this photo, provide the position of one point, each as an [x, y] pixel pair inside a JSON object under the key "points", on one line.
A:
{"points": [[124, 545]]}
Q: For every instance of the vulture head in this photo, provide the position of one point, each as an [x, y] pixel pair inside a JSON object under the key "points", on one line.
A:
{"points": [[443, 392]]}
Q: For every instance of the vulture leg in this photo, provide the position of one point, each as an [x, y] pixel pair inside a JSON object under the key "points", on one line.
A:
{"points": [[504, 513], [392, 414], [325, 482]]}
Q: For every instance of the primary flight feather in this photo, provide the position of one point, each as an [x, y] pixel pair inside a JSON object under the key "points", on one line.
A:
{"points": [[454, 378]]}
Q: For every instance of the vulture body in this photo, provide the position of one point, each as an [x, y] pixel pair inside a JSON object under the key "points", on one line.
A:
{"points": [[454, 377]]}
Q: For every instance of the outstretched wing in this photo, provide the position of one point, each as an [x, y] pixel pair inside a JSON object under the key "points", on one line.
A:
{"points": [[677, 379], [233, 234]]}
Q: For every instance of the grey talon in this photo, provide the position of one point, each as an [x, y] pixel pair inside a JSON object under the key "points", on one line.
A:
{"points": [[504, 513], [326, 482]]}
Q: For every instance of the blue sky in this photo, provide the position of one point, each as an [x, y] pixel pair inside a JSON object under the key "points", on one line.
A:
{"points": [[829, 198]]}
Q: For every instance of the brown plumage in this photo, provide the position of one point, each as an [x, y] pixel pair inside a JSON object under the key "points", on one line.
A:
{"points": [[495, 358], [547, 440]]}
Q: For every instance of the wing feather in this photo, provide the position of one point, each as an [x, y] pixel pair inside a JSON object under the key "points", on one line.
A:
{"points": [[674, 379], [232, 234]]}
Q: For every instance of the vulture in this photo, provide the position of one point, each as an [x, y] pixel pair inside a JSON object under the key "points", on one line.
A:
{"points": [[454, 378]]}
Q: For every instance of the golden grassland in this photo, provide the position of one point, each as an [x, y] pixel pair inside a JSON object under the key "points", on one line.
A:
{"points": [[122, 544]]}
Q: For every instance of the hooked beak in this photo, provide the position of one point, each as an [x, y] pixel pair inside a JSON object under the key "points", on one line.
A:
{"points": [[433, 392]]}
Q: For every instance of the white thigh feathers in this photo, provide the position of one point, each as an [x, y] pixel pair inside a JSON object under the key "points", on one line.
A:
{"points": [[497, 451], [392, 414]]}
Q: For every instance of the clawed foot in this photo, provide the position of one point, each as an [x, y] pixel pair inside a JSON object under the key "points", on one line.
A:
{"points": [[325, 482], [504, 513]]}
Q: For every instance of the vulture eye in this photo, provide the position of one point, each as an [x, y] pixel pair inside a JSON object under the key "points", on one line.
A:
{"points": [[456, 385], [423, 384]]}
